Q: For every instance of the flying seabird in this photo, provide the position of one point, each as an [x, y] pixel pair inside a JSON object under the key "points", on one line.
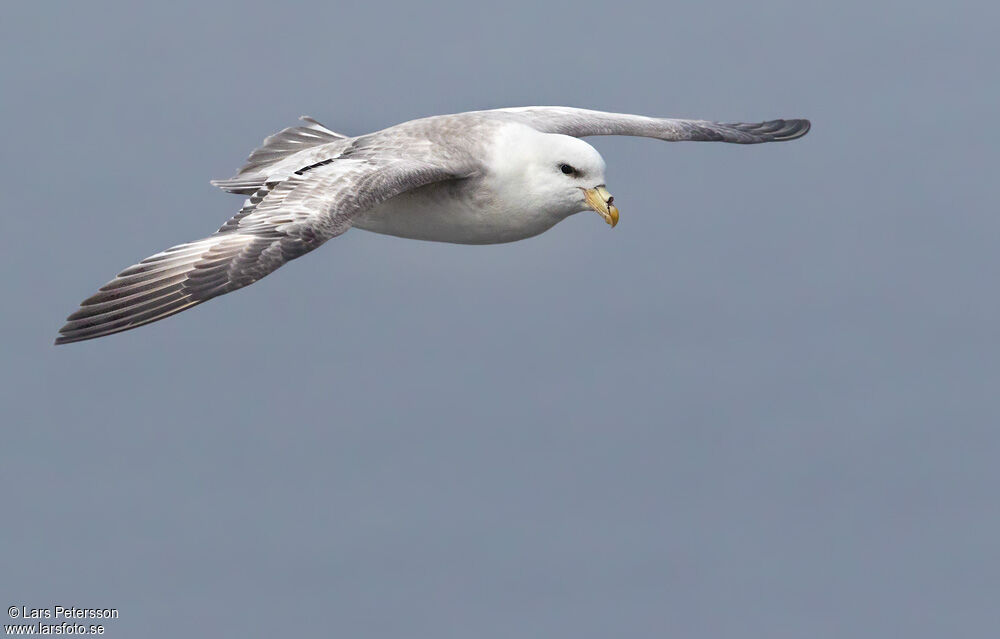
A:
{"points": [[481, 177]]}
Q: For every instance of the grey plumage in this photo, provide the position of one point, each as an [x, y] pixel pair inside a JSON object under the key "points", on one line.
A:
{"points": [[583, 123], [306, 183], [288, 141], [276, 225]]}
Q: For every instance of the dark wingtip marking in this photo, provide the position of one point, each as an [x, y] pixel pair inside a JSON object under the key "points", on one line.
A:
{"points": [[774, 130]]}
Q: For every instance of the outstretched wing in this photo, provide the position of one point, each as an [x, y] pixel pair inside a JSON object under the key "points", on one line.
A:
{"points": [[278, 223], [583, 122]]}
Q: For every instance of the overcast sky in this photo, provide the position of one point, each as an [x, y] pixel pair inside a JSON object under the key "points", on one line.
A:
{"points": [[765, 405]]}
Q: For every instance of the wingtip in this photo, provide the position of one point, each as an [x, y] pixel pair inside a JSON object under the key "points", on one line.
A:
{"points": [[772, 130], [64, 336], [62, 339], [781, 130], [796, 128]]}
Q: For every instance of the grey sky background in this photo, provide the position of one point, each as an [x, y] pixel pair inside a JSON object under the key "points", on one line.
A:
{"points": [[763, 406]]}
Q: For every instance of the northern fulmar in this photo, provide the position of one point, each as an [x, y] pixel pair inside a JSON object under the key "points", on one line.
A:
{"points": [[482, 177]]}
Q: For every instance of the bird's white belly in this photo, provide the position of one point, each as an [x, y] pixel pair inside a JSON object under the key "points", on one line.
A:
{"points": [[450, 213]]}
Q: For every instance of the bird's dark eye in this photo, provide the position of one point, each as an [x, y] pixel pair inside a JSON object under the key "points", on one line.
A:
{"points": [[567, 169]]}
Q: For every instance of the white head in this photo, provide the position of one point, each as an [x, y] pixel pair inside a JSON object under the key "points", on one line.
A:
{"points": [[557, 175]]}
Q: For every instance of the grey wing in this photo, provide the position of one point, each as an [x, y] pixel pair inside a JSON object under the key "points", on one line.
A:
{"points": [[583, 122], [274, 156], [278, 223]]}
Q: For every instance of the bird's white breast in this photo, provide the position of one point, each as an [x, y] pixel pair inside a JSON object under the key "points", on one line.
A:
{"points": [[461, 212]]}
